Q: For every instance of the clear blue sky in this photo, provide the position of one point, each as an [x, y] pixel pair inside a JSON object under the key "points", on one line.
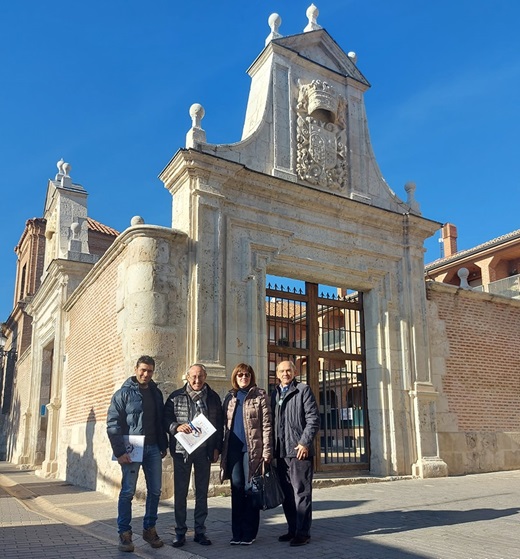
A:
{"points": [[107, 85]]}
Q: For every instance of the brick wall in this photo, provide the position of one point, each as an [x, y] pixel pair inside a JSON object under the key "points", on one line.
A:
{"points": [[475, 343], [31, 254], [98, 243], [93, 350]]}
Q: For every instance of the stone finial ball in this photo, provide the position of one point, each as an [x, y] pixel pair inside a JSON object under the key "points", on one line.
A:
{"points": [[137, 220], [312, 12], [410, 187], [274, 21], [75, 228], [197, 111]]}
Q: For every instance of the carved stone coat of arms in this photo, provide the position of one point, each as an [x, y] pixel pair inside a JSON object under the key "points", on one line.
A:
{"points": [[321, 136]]}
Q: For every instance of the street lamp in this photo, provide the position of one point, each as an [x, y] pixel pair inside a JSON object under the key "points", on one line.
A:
{"points": [[3, 341], [10, 353]]}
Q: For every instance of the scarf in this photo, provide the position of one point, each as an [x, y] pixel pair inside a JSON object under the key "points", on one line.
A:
{"points": [[199, 398]]}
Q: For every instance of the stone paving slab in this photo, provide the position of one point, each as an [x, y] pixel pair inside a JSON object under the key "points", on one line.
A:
{"points": [[26, 534], [468, 517]]}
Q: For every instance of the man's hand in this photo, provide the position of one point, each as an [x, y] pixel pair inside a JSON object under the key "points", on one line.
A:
{"points": [[302, 452], [184, 428], [124, 459]]}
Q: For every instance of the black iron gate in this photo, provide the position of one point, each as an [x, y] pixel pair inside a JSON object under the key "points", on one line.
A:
{"points": [[323, 334]]}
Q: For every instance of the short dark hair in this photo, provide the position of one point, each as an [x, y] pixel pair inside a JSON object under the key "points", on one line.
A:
{"points": [[147, 360], [246, 368]]}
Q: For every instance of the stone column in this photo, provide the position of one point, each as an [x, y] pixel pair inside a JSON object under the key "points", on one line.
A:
{"points": [[25, 458], [50, 464], [49, 467], [417, 360]]}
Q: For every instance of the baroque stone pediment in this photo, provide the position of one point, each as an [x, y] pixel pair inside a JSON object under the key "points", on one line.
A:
{"points": [[320, 47], [306, 121]]}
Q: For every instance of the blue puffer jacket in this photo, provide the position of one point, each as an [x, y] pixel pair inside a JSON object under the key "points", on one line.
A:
{"points": [[125, 415]]}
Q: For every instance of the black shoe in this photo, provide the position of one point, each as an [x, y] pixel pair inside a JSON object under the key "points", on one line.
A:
{"points": [[300, 540], [179, 541], [247, 541], [286, 537], [235, 542], [201, 538]]}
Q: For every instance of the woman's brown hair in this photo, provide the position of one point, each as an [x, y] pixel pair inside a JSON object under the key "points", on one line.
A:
{"points": [[245, 368]]}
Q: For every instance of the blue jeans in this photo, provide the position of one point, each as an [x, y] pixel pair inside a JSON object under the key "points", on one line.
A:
{"points": [[152, 467]]}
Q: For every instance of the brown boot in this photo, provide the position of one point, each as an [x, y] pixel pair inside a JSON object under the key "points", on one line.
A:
{"points": [[152, 538], [125, 542]]}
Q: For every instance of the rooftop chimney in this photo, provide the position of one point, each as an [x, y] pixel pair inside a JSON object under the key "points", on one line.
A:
{"points": [[449, 239]]}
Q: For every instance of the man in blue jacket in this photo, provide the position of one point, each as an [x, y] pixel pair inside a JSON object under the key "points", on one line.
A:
{"points": [[137, 409], [296, 422]]}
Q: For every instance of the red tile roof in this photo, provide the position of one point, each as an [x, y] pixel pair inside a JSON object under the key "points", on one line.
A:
{"points": [[96, 226]]}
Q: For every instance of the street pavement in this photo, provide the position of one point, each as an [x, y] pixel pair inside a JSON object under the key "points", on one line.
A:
{"points": [[466, 517]]}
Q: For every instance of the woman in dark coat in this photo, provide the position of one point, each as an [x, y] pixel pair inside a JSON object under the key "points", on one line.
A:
{"points": [[247, 443]]}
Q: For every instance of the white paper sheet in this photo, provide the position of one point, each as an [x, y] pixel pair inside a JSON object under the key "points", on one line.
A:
{"points": [[203, 431]]}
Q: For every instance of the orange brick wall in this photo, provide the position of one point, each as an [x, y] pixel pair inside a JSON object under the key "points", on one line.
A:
{"points": [[482, 378], [93, 349]]}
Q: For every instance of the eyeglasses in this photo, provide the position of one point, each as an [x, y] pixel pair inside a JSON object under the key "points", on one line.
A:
{"points": [[243, 374]]}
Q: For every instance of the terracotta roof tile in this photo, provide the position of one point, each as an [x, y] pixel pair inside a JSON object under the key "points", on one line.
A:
{"points": [[97, 226]]}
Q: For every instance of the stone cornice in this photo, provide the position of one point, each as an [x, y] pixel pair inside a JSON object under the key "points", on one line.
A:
{"points": [[190, 163]]}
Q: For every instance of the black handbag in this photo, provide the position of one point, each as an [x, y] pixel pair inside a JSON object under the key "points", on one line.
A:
{"points": [[266, 491]]}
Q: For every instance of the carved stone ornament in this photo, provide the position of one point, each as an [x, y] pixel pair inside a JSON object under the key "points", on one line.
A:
{"points": [[321, 136]]}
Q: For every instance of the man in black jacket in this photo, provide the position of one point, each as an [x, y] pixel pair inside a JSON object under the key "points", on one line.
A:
{"points": [[182, 406], [137, 409], [296, 422]]}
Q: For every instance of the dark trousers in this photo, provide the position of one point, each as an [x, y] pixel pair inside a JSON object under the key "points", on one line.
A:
{"points": [[245, 520], [296, 481], [181, 482]]}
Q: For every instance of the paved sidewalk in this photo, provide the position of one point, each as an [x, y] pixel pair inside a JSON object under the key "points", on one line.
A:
{"points": [[469, 517]]}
